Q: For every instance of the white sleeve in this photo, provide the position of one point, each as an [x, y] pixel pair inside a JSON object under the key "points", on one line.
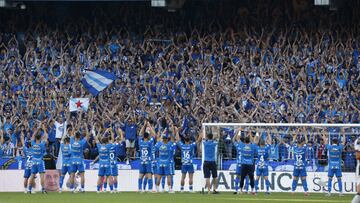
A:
{"points": [[356, 145]]}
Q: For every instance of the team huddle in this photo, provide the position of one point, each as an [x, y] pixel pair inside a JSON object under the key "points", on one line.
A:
{"points": [[156, 155]]}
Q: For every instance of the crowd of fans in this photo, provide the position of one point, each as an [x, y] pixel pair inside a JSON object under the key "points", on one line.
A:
{"points": [[213, 61]]}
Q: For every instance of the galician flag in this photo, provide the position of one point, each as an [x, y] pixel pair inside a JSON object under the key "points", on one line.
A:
{"points": [[75, 104]]}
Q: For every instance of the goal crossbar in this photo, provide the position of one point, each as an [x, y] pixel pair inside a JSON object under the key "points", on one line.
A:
{"points": [[356, 125]]}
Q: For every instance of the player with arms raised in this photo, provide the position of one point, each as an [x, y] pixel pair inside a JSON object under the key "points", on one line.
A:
{"points": [[66, 159], [38, 149], [262, 162], [28, 163], [104, 159], [187, 149], [146, 142], [334, 153], [299, 151], [164, 150], [77, 145], [238, 146]]}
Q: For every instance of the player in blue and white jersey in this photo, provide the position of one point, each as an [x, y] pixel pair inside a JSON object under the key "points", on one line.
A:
{"points": [[77, 146], [146, 145], [104, 160], [299, 151], [28, 163], [38, 149], [66, 160], [172, 162], [262, 162], [238, 144], [187, 149], [164, 150], [114, 170], [334, 162], [248, 151]]}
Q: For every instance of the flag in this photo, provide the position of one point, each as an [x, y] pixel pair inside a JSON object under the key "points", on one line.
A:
{"points": [[97, 80], [75, 104]]}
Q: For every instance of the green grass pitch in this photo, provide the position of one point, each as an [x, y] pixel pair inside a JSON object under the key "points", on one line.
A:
{"points": [[132, 197]]}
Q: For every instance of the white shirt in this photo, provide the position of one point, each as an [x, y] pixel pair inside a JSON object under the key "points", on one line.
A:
{"points": [[357, 145], [60, 129]]}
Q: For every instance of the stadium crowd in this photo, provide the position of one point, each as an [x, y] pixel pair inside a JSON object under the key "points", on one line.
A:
{"points": [[217, 64]]}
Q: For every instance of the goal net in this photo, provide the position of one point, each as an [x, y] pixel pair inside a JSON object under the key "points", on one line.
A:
{"points": [[280, 138]]}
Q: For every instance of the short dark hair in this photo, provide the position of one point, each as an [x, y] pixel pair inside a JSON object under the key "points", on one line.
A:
{"points": [[247, 140], [104, 140], [335, 141], [146, 135], [38, 137], [77, 135], [210, 136], [67, 139]]}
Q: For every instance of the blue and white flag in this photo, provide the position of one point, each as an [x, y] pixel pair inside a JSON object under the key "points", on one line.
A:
{"points": [[76, 104], [97, 80]]}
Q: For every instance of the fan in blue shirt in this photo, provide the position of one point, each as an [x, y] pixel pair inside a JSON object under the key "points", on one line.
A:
{"points": [[299, 151], [334, 154]]}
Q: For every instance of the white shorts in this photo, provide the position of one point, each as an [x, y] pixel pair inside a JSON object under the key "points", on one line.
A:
{"points": [[130, 143]]}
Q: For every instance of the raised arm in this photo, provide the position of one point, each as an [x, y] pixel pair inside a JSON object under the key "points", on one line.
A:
{"points": [[268, 137], [1, 137], [152, 131], [305, 134], [294, 138], [200, 137], [344, 136], [142, 131], [46, 135]]}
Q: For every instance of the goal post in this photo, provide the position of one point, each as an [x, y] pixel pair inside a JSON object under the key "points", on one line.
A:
{"points": [[279, 133], [281, 145]]}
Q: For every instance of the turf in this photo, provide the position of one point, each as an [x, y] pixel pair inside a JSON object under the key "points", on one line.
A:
{"points": [[131, 197]]}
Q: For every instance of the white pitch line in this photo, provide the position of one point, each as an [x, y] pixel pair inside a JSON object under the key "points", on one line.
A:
{"points": [[285, 200]]}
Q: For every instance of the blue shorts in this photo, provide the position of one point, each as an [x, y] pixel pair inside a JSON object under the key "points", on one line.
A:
{"points": [[38, 168], [187, 168], [104, 170], [262, 171], [334, 171], [75, 167], [172, 168], [238, 170], [65, 169], [114, 170], [299, 172], [27, 172], [153, 168], [163, 170], [145, 168]]}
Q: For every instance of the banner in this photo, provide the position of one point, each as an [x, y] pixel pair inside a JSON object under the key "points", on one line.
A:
{"points": [[12, 181]]}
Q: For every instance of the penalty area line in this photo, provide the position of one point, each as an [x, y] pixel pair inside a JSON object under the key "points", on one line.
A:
{"points": [[284, 200]]}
